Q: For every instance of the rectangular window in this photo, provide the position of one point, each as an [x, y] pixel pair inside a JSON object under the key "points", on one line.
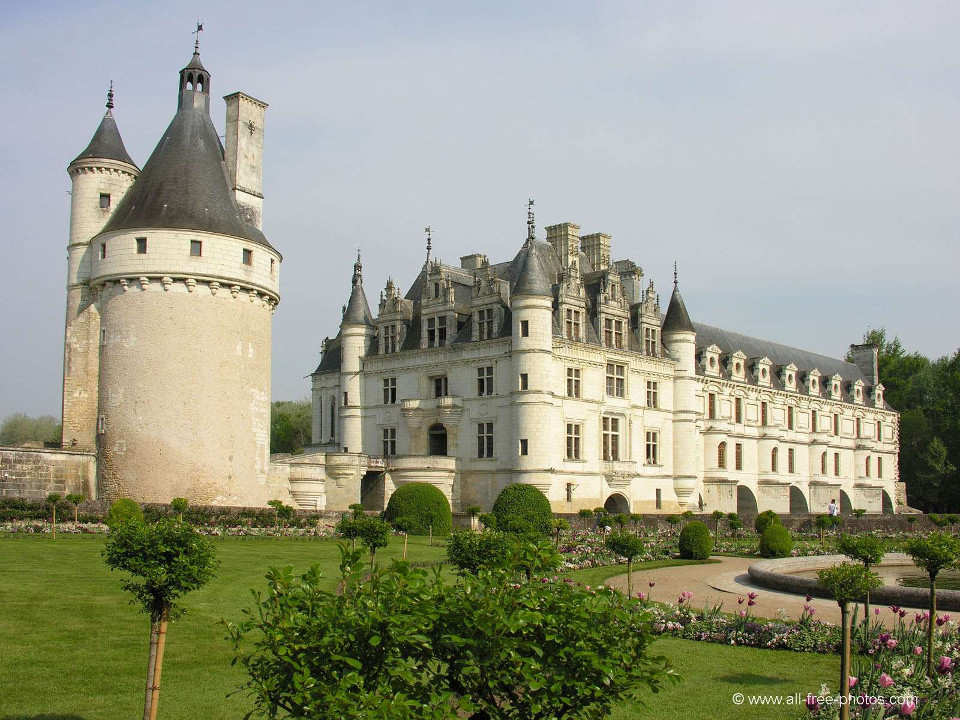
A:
{"points": [[485, 324], [814, 421], [738, 410], [485, 440], [616, 383], [196, 248], [880, 467], [738, 456], [104, 201], [485, 380], [659, 499], [524, 381], [569, 492], [247, 257], [879, 431], [389, 391], [573, 382], [791, 459], [789, 417], [273, 265], [652, 446], [608, 332], [836, 464], [763, 413], [859, 428], [653, 394], [389, 442], [866, 464], [389, 339], [618, 334], [437, 331], [712, 406], [440, 386], [572, 325], [611, 438], [613, 333], [103, 250], [651, 343], [836, 424], [141, 246], [574, 437], [346, 398], [524, 328], [524, 446]]}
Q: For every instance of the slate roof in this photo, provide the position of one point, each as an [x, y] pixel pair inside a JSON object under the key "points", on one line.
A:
{"points": [[534, 270], [106, 143], [184, 184], [358, 310], [677, 319]]}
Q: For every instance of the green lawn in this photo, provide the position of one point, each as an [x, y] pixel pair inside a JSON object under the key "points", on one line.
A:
{"points": [[73, 648]]}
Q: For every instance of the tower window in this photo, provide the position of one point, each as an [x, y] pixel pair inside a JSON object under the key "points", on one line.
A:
{"points": [[836, 463], [659, 499], [814, 421], [763, 413], [524, 381], [103, 250], [273, 264], [196, 248], [524, 328], [247, 257], [141, 246], [712, 406], [524, 446], [440, 386], [104, 201]]}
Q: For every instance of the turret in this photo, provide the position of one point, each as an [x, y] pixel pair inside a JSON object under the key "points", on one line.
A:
{"points": [[100, 176], [357, 329], [679, 339], [531, 303]]}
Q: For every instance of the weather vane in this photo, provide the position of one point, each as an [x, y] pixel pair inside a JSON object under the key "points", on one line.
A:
{"points": [[196, 42], [110, 97], [531, 231], [674, 273], [429, 242]]}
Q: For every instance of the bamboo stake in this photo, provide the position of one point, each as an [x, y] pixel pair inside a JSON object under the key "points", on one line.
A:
{"points": [[161, 641], [151, 664], [845, 663], [405, 536]]}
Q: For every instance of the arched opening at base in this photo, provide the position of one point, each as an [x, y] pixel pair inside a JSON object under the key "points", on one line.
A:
{"points": [[617, 504], [372, 491], [438, 439], [887, 503], [746, 501], [798, 503], [846, 507]]}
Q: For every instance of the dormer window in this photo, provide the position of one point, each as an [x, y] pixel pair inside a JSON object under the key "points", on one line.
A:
{"points": [[761, 370], [437, 331], [613, 333], [651, 341], [711, 360], [389, 339], [436, 290], [878, 396], [485, 321], [835, 387], [788, 376], [573, 324], [736, 365], [858, 392]]}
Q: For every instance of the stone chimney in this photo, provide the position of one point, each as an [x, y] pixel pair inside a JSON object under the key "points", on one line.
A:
{"points": [[244, 154], [565, 240], [865, 358], [597, 249]]}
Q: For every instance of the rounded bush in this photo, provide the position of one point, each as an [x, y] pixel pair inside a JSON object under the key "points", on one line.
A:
{"points": [[764, 519], [775, 542], [522, 508], [123, 511], [421, 506], [696, 542]]}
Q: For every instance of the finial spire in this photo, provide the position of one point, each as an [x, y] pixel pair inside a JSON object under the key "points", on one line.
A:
{"points": [[110, 97], [196, 41], [531, 222], [358, 270], [674, 273], [429, 242]]}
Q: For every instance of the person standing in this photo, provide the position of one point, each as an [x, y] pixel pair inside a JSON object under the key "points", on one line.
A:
{"points": [[832, 509]]}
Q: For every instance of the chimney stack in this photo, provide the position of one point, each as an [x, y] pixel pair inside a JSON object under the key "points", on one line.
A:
{"points": [[244, 154]]}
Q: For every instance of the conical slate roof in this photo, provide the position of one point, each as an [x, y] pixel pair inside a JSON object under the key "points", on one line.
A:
{"points": [[358, 310], [530, 270], [677, 319], [106, 143], [184, 183]]}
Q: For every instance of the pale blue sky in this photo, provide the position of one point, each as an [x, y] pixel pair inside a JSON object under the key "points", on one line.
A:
{"points": [[799, 160]]}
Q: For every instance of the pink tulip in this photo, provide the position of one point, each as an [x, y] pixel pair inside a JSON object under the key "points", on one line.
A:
{"points": [[945, 666], [876, 611], [742, 613], [739, 601], [918, 650], [642, 596], [885, 680], [891, 644], [853, 680], [908, 707]]}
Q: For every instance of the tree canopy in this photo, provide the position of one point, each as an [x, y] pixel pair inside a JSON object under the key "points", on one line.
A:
{"points": [[18, 428], [289, 426]]}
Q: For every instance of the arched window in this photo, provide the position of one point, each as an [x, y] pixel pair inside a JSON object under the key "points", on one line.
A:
{"points": [[722, 456], [774, 455], [823, 463], [333, 419]]}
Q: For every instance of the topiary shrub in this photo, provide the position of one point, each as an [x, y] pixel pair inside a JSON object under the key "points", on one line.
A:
{"points": [[522, 508], [123, 511], [775, 542], [422, 506], [764, 519], [695, 541]]}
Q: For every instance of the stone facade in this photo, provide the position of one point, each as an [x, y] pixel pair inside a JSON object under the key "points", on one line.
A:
{"points": [[34, 473], [578, 385]]}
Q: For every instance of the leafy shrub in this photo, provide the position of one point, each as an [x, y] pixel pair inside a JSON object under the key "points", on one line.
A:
{"points": [[695, 541], [775, 542], [470, 551], [762, 520], [522, 508], [423, 506], [123, 511], [866, 549]]}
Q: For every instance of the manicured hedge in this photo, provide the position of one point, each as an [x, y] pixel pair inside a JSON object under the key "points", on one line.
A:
{"points": [[775, 542], [696, 542], [421, 506], [764, 519], [522, 508]]}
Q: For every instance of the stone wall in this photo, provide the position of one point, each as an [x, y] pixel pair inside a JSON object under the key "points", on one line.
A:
{"points": [[35, 473]]}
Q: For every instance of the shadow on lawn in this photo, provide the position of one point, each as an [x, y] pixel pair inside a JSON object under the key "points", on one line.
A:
{"points": [[737, 679], [43, 716]]}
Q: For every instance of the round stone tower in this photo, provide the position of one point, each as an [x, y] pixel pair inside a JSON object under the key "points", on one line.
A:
{"points": [[356, 332], [186, 289], [100, 176]]}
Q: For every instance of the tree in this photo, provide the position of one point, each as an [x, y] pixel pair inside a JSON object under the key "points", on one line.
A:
{"points": [[75, 500], [52, 500], [123, 511], [284, 512], [935, 470], [19, 428], [867, 550], [585, 516], [165, 562], [398, 643], [847, 584], [179, 505], [823, 523], [373, 533], [290, 426], [718, 516], [934, 553], [627, 546], [559, 526]]}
